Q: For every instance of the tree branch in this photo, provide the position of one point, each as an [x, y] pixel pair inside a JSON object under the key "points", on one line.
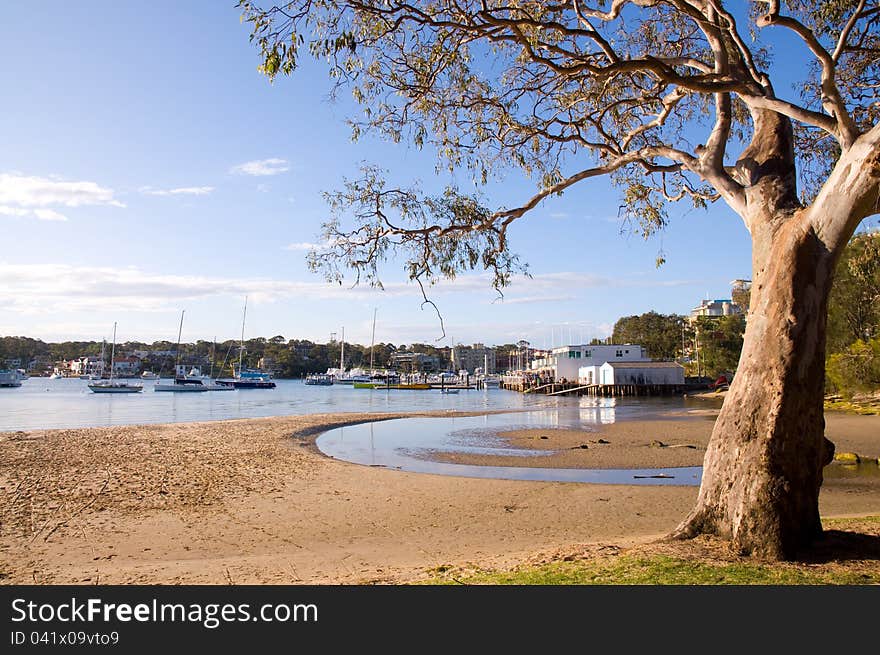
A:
{"points": [[844, 33], [845, 129], [850, 194]]}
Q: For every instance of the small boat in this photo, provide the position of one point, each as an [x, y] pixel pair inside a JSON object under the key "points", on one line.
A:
{"points": [[56, 375], [149, 375], [368, 385], [192, 381], [115, 386], [448, 390], [419, 386], [111, 385], [247, 378], [251, 378], [10, 378], [319, 379], [178, 385]]}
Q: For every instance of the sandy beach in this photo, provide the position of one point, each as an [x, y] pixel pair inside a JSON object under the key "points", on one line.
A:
{"points": [[254, 501]]}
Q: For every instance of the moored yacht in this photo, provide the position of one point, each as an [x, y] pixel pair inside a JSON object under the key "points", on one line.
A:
{"points": [[251, 378], [319, 379], [10, 378], [244, 377], [192, 381], [111, 385]]}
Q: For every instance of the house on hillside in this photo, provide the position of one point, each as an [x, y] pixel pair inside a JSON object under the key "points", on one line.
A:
{"points": [[86, 365], [130, 365], [717, 307]]}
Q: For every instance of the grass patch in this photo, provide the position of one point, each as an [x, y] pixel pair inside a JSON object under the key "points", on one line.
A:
{"points": [[850, 555], [660, 570], [863, 407], [850, 522]]}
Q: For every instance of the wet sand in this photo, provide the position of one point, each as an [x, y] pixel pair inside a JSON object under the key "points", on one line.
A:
{"points": [[680, 440], [253, 501]]}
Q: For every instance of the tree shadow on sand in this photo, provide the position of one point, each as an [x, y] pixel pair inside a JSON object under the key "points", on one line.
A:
{"points": [[842, 546]]}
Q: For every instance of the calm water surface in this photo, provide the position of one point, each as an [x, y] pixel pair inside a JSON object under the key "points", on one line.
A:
{"points": [[407, 444], [67, 403]]}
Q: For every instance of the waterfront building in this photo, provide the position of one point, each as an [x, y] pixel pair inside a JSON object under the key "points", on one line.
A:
{"points": [[654, 373], [470, 358], [410, 362], [566, 362]]}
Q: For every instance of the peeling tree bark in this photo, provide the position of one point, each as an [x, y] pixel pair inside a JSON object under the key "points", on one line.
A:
{"points": [[763, 466]]}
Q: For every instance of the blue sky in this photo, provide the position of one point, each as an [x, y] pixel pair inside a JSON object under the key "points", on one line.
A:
{"points": [[147, 167]]}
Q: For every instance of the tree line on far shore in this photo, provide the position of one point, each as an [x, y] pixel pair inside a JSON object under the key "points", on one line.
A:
{"points": [[712, 345], [287, 358], [708, 346]]}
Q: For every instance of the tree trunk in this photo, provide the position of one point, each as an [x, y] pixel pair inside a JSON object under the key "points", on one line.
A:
{"points": [[763, 466]]}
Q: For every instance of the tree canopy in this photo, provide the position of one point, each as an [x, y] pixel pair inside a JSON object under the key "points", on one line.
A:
{"points": [[666, 97], [854, 304], [660, 334]]}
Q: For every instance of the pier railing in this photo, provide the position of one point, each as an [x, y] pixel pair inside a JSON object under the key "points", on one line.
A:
{"points": [[526, 383]]}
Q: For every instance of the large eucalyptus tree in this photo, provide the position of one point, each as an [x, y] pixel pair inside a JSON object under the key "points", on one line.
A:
{"points": [[568, 91]]}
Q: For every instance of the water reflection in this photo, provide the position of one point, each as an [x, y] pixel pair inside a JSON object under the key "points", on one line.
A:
{"points": [[67, 403], [404, 444]]}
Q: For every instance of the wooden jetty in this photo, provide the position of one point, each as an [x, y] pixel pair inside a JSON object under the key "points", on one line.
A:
{"points": [[524, 385]]}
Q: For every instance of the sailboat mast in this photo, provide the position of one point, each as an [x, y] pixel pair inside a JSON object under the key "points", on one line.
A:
{"points": [[113, 351], [213, 355], [373, 339], [241, 343], [177, 350], [342, 353]]}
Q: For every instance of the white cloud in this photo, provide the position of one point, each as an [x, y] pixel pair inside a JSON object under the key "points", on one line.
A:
{"points": [[180, 191], [39, 214], [528, 300], [48, 289], [30, 191], [308, 245], [302, 245], [49, 215], [261, 167], [14, 211]]}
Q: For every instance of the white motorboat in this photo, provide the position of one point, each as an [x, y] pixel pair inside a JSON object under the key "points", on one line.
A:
{"points": [[115, 386]]}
